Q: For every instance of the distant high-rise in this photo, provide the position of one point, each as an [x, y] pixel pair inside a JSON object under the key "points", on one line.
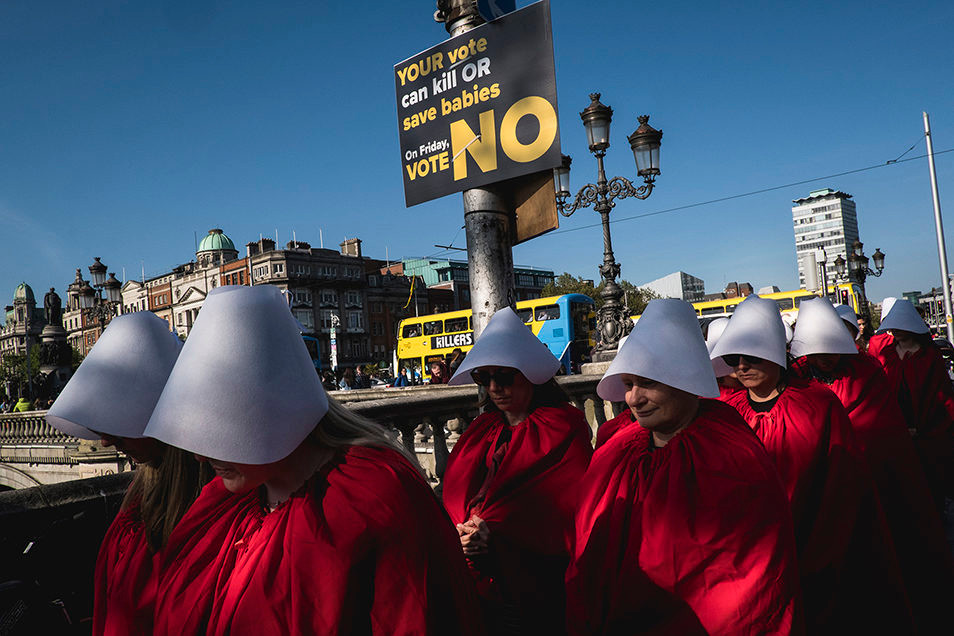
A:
{"points": [[827, 219], [678, 285]]}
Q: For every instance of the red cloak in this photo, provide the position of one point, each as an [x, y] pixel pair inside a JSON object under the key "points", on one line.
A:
{"points": [[926, 397], [363, 548], [199, 553], [850, 576], [609, 428], [923, 553], [125, 588], [693, 537], [528, 506]]}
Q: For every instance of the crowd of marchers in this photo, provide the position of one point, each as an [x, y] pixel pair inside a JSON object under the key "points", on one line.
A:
{"points": [[761, 480]]}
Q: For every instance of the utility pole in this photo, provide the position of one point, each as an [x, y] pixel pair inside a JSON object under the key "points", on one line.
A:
{"points": [[488, 216], [939, 228]]}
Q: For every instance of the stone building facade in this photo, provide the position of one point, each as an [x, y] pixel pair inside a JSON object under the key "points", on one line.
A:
{"points": [[23, 322]]}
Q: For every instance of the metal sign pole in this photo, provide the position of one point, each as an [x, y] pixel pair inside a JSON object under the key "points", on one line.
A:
{"points": [[487, 219], [939, 227]]}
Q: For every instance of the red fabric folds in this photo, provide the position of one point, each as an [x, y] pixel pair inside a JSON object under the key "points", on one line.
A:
{"points": [[926, 397], [609, 428], [199, 556], [363, 548], [878, 426], [850, 576], [693, 537], [528, 508], [125, 585]]}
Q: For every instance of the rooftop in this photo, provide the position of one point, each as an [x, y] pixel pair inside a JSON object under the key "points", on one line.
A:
{"points": [[824, 193]]}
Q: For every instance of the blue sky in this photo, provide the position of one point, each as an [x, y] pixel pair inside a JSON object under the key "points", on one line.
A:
{"points": [[126, 129]]}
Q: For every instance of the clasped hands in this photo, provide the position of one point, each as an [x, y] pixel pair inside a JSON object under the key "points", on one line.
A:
{"points": [[474, 536]]}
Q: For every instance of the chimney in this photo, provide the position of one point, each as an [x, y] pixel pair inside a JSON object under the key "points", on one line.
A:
{"points": [[351, 247]]}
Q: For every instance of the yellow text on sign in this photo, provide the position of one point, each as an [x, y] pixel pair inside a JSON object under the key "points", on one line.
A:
{"points": [[482, 145]]}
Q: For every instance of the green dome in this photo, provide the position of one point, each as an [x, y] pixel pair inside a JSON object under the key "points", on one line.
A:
{"points": [[24, 292], [216, 240]]}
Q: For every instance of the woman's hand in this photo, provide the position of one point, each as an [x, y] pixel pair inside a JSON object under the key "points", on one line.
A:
{"points": [[474, 536]]}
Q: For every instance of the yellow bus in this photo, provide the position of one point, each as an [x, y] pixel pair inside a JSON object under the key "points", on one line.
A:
{"points": [[788, 302], [566, 324]]}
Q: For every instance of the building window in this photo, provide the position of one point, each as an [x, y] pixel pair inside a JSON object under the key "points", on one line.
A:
{"points": [[355, 320], [373, 280], [460, 274], [525, 280], [352, 298], [302, 297], [329, 297], [325, 316], [306, 317]]}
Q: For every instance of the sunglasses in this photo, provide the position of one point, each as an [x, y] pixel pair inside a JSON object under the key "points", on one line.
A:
{"points": [[733, 359], [503, 377]]}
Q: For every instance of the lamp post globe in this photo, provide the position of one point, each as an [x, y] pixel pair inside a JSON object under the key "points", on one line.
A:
{"points": [[596, 119], [840, 266], [113, 287], [97, 272], [645, 142]]}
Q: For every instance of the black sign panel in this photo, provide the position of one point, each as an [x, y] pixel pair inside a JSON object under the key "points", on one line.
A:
{"points": [[480, 107], [449, 341]]}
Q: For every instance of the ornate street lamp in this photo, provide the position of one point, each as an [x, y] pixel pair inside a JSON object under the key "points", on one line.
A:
{"points": [[859, 270], [644, 142], [95, 306]]}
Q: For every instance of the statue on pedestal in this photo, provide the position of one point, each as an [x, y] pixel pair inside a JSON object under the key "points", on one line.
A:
{"points": [[54, 307]]}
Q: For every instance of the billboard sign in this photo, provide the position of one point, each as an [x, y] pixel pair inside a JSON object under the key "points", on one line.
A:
{"points": [[479, 108]]}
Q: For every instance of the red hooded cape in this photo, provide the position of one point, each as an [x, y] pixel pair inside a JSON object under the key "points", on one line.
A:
{"points": [[850, 576], [609, 428], [693, 537], [927, 405], [528, 508], [878, 426], [125, 588], [362, 548]]}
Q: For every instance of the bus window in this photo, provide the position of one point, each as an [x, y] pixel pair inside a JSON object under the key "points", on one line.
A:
{"points": [[470, 323], [547, 312], [711, 311], [433, 328], [412, 330], [452, 325], [580, 312], [784, 303], [799, 299], [526, 314]]}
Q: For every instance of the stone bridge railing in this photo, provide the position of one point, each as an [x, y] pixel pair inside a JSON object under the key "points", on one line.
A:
{"points": [[428, 420], [31, 428]]}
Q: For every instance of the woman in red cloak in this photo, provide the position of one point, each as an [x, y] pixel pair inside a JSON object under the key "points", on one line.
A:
{"points": [[324, 528], [683, 526], [110, 397], [512, 480], [825, 351], [918, 376], [850, 576]]}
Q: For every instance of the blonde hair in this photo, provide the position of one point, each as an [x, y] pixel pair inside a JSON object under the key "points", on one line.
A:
{"points": [[341, 427], [164, 493]]}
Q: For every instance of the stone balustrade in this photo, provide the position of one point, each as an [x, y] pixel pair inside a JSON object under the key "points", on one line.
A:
{"points": [[430, 419], [31, 428], [427, 419]]}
